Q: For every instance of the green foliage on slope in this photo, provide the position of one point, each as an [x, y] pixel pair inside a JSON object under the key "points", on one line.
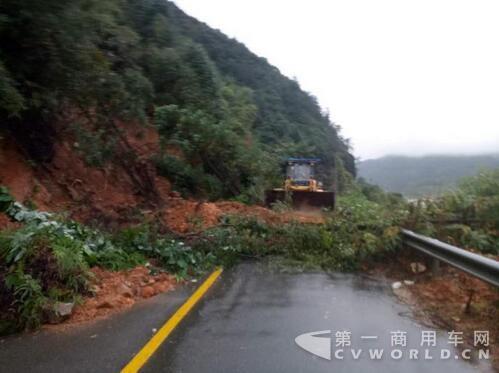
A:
{"points": [[289, 120], [234, 115], [467, 216], [47, 260]]}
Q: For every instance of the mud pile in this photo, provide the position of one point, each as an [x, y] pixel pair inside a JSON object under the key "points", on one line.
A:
{"points": [[116, 291]]}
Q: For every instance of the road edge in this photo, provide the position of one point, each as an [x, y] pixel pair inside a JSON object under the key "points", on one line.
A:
{"points": [[141, 358]]}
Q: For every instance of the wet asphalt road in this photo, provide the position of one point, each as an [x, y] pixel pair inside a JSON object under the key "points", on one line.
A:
{"points": [[104, 346], [247, 322], [250, 319]]}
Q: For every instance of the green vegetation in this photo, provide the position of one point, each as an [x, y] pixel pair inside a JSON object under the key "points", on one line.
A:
{"points": [[226, 119], [468, 216], [349, 236], [233, 116], [429, 176], [41, 263], [47, 259], [82, 66]]}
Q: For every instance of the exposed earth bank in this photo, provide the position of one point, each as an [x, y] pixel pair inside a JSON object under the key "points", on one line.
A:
{"points": [[118, 194]]}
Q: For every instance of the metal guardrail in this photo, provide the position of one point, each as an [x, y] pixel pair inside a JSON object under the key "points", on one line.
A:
{"points": [[474, 264]]}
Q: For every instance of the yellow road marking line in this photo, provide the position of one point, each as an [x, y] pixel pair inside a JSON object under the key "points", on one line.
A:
{"points": [[150, 347]]}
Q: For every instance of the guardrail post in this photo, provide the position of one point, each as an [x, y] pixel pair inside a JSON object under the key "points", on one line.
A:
{"points": [[467, 308], [435, 266]]}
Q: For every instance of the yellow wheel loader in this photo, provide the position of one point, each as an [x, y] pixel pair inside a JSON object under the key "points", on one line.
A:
{"points": [[301, 188]]}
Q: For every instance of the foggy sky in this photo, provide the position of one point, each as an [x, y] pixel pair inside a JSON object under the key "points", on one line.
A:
{"points": [[399, 76]]}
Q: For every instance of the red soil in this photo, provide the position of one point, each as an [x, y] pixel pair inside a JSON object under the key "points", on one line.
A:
{"points": [[443, 298], [67, 183], [116, 291], [19, 176], [183, 216], [111, 194]]}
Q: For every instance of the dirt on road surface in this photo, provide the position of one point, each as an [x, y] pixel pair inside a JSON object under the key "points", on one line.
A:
{"points": [[116, 291], [451, 299], [251, 318], [247, 322]]}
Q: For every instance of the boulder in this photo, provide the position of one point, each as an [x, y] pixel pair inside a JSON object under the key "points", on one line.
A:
{"points": [[63, 309], [57, 312], [417, 267], [396, 285]]}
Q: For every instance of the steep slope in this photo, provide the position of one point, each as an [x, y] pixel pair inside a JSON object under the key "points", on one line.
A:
{"points": [[422, 176], [288, 118], [120, 192], [83, 71]]}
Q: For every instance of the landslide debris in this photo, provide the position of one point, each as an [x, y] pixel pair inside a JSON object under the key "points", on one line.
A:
{"points": [[114, 291]]}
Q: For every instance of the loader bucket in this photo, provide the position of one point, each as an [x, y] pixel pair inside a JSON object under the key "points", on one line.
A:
{"points": [[301, 199]]}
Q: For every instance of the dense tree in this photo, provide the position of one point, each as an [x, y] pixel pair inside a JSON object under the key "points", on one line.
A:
{"points": [[234, 116]]}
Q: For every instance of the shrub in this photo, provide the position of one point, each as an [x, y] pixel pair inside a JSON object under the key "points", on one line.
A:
{"points": [[97, 146], [466, 217], [40, 265], [47, 259], [358, 230], [5, 199], [187, 179], [29, 301]]}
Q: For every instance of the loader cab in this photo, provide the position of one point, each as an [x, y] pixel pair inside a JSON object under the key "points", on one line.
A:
{"points": [[300, 174]]}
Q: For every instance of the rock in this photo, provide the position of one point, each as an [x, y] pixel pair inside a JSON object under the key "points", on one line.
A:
{"points": [[396, 285], [408, 282], [63, 309], [147, 292], [404, 294], [417, 267], [124, 290], [57, 312]]}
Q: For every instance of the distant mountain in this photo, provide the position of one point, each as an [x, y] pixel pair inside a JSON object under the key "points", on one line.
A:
{"points": [[423, 176]]}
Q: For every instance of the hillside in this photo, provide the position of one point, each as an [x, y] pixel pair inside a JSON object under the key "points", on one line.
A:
{"points": [[139, 86], [127, 141], [423, 176]]}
